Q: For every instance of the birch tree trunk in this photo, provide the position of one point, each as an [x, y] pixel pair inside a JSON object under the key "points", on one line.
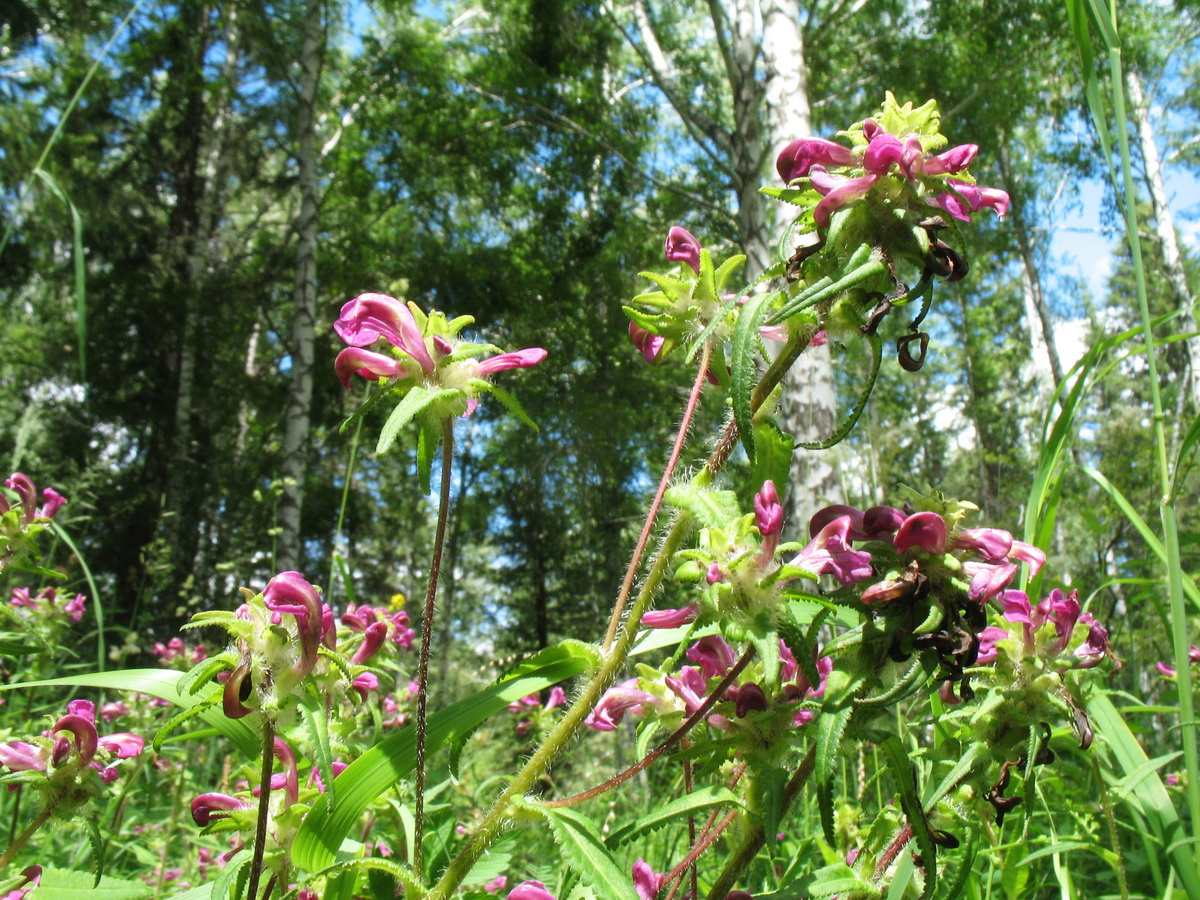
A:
{"points": [[1164, 226], [296, 426], [808, 407]]}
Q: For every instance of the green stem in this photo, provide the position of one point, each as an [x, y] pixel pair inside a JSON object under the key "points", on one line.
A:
{"points": [[337, 533], [24, 836], [756, 837], [1179, 623], [435, 568], [564, 731], [264, 807], [652, 515]]}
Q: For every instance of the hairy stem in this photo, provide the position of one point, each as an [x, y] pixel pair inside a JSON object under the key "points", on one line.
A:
{"points": [[31, 829], [656, 504], [264, 806], [435, 569], [755, 836]]}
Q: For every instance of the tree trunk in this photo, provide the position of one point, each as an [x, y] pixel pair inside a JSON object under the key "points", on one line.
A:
{"points": [[1164, 226], [296, 427], [808, 407]]}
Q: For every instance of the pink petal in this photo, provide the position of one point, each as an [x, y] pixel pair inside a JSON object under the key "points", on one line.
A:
{"points": [[522, 359], [367, 363], [800, 156], [682, 246]]}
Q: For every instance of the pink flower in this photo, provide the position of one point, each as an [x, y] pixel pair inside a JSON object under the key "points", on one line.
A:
{"points": [[22, 757], [988, 638], [365, 683], [798, 157], [32, 876], [369, 317], [838, 191], [521, 359], [969, 198], [75, 607], [373, 638], [618, 700], [682, 246], [926, 530], [556, 698], [768, 516], [530, 890], [649, 345], [290, 594], [713, 655], [829, 553], [671, 618], [207, 807], [497, 884], [646, 881], [123, 744], [366, 363], [1164, 670]]}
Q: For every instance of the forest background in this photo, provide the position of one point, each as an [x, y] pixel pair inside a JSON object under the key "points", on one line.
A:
{"points": [[191, 191]]}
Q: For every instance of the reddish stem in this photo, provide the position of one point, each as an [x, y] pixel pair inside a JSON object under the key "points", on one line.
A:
{"points": [[435, 569], [666, 745], [652, 515]]}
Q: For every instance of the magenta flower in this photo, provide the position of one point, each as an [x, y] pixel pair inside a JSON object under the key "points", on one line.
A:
{"points": [[618, 700], [682, 246], [713, 655], [878, 523], [649, 345], [750, 698], [837, 191], [690, 687], [365, 683], [521, 359], [207, 807], [969, 198], [369, 317], [123, 745], [366, 363], [798, 157], [373, 638], [530, 890], [988, 638], [22, 757], [768, 516], [32, 876], [556, 698], [830, 553], [1093, 650], [671, 618], [926, 530], [290, 594], [27, 491], [496, 885], [993, 544], [646, 881], [1164, 670]]}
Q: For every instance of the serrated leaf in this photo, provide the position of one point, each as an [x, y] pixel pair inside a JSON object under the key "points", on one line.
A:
{"points": [[837, 878], [852, 419], [97, 843], [584, 851], [417, 399], [511, 404], [399, 871], [745, 366], [700, 801], [712, 509], [831, 727], [769, 786], [367, 405], [772, 455], [231, 877], [318, 733], [905, 776], [374, 772]]}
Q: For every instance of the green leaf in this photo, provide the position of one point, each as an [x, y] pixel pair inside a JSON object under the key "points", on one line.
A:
{"points": [[511, 404], [162, 683], [905, 776], [726, 269], [66, 884], [415, 402], [97, 842], [831, 727], [712, 509], [838, 878], [692, 804], [373, 774], [1148, 796], [402, 873], [848, 425], [746, 344], [318, 734], [772, 455], [585, 852]]}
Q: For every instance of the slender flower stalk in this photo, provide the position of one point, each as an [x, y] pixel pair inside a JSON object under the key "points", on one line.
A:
{"points": [[652, 515], [435, 568], [264, 807]]}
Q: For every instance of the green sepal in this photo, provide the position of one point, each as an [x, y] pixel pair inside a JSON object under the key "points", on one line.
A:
{"points": [[674, 289], [766, 643], [510, 403], [367, 405], [727, 268], [191, 681], [707, 281]]}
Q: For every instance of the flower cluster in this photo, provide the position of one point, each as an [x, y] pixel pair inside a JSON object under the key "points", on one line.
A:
{"points": [[69, 764], [425, 350], [893, 161], [533, 712], [20, 524], [45, 606], [175, 654]]}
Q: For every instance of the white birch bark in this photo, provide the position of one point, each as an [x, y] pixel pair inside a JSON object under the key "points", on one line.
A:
{"points": [[296, 426], [1164, 227], [808, 408]]}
